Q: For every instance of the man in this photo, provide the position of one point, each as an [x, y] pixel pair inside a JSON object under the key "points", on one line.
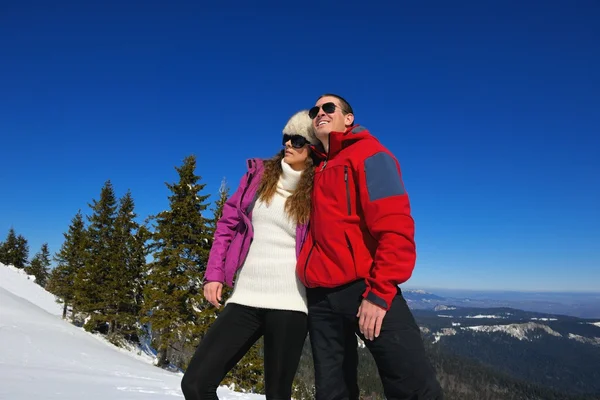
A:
{"points": [[359, 248]]}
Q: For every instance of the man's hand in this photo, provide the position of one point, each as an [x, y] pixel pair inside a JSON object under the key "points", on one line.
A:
{"points": [[212, 292], [370, 318]]}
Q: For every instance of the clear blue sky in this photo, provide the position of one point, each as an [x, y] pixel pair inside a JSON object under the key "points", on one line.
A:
{"points": [[492, 108]]}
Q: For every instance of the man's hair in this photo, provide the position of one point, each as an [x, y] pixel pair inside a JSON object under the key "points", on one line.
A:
{"points": [[346, 107]]}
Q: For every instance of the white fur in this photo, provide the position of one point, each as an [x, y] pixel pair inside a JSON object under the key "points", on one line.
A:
{"points": [[301, 124]]}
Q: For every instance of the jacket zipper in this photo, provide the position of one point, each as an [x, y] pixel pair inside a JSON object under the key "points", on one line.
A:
{"points": [[349, 244], [347, 190], [327, 156], [306, 233], [250, 176], [241, 262], [306, 264]]}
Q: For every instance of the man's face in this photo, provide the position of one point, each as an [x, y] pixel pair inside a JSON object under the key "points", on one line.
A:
{"points": [[325, 123]]}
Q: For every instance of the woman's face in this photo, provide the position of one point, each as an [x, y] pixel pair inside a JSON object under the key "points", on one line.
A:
{"points": [[296, 157]]}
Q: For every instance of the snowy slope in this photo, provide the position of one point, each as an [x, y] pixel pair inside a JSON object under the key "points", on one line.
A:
{"points": [[44, 357], [19, 283]]}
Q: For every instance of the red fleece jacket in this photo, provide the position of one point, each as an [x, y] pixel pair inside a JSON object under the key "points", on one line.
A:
{"points": [[361, 226]]}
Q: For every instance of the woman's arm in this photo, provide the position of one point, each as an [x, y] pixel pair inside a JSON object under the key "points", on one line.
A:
{"points": [[226, 227]]}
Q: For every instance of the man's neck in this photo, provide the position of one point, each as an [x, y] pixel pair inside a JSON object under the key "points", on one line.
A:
{"points": [[325, 143]]}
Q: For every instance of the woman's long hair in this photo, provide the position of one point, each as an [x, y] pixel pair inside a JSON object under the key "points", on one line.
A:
{"points": [[298, 204]]}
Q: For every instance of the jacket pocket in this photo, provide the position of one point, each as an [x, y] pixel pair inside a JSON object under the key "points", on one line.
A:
{"points": [[348, 202], [351, 249], [232, 257], [361, 257]]}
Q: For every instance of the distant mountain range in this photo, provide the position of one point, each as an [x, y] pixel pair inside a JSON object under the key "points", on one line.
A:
{"points": [[550, 350], [583, 305]]}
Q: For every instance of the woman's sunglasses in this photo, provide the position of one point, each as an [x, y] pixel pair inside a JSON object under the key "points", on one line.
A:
{"points": [[329, 108], [297, 141]]}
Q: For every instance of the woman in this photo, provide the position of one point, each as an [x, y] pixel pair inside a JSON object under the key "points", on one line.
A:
{"points": [[259, 238]]}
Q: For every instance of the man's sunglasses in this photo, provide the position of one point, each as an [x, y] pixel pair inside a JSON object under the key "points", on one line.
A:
{"points": [[297, 141], [329, 108]]}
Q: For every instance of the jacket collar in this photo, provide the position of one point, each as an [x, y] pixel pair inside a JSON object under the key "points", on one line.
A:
{"points": [[340, 140], [254, 165]]}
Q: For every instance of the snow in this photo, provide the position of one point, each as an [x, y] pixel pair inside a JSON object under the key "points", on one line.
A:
{"points": [[544, 319], [582, 339], [518, 331], [595, 324], [484, 316], [17, 282], [441, 307], [444, 332], [44, 357], [417, 291]]}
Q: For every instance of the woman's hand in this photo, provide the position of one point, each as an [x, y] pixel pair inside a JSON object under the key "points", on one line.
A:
{"points": [[212, 292]]}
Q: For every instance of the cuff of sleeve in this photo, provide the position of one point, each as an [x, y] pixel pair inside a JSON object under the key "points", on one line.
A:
{"points": [[378, 301], [215, 276]]}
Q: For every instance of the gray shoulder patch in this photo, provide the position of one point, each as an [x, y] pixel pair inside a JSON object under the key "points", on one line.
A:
{"points": [[383, 177], [358, 129]]}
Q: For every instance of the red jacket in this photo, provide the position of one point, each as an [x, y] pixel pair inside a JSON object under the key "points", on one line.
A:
{"points": [[360, 224]]}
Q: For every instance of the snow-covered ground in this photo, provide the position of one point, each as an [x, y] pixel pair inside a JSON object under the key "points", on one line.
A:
{"points": [[20, 284], [44, 357]]}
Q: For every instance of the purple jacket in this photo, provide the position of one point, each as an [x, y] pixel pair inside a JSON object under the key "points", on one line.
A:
{"points": [[234, 233]]}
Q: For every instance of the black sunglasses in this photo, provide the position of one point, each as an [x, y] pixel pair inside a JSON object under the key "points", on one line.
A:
{"points": [[329, 108], [297, 141]]}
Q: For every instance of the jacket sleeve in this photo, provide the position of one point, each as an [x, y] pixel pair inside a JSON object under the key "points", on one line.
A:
{"points": [[386, 208], [225, 231]]}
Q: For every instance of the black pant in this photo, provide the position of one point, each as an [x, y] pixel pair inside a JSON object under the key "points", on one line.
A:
{"points": [[399, 353], [231, 336]]}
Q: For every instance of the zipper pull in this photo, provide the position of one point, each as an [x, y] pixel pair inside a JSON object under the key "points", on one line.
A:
{"points": [[345, 174], [324, 165]]}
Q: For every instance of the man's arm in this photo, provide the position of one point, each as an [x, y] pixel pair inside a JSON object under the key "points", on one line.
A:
{"points": [[387, 215]]}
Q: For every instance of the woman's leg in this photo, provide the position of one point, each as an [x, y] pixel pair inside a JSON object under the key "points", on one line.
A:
{"points": [[236, 329], [285, 332]]}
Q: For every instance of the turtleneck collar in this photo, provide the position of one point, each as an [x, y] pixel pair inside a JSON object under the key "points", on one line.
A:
{"points": [[289, 178]]}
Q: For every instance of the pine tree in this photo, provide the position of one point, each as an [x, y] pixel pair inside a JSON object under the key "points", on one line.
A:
{"points": [[217, 214], [129, 262], [173, 303], [21, 253], [15, 250], [93, 282], [70, 259], [139, 252], [9, 248], [220, 203], [39, 266]]}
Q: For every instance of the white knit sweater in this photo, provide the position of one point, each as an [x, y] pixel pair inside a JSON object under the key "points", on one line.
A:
{"points": [[268, 277]]}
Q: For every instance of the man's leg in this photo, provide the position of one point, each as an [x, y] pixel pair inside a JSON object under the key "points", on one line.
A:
{"points": [[285, 333], [230, 337], [330, 338], [400, 356], [350, 365]]}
